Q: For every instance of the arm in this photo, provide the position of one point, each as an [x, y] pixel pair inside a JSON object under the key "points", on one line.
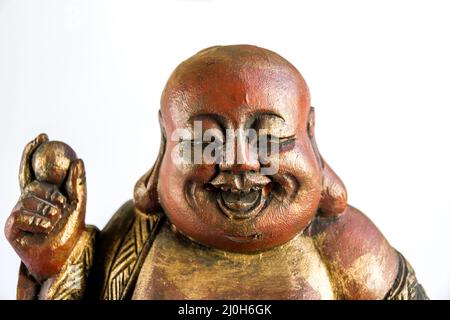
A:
{"points": [[46, 228], [361, 263]]}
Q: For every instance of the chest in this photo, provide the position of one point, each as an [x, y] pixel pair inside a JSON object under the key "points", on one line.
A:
{"points": [[179, 269]]}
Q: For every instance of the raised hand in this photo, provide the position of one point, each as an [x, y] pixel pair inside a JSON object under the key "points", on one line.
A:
{"points": [[48, 219]]}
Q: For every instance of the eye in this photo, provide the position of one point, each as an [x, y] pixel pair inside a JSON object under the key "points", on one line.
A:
{"points": [[212, 145], [199, 142], [195, 143], [272, 144], [205, 140]]}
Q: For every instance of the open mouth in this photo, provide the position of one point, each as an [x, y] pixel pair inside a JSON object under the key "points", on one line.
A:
{"points": [[242, 204], [242, 197]]}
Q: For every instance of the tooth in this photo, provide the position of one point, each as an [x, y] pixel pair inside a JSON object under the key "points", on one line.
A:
{"points": [[40, 206], [30, 220], [25, 219], [45, 223], [52, 212], [37, 221]]}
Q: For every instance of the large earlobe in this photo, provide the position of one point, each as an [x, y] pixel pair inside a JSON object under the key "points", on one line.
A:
{"points": [[334, 195], [146, 189]]}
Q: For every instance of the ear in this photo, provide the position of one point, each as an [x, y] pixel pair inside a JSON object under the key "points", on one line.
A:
{"points": [[146, 189], [334, 194]]}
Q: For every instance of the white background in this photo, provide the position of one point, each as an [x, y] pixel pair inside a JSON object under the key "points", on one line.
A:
{"points": [[91, 72]]}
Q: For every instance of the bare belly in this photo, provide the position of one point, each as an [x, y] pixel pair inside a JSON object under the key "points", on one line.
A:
{"points": [[176, 268]]}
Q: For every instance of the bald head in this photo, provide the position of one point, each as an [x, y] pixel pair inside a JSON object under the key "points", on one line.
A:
{"points": [[232, 79]]}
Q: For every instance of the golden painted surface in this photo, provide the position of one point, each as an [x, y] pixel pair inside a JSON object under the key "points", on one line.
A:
{"points": [[71, 282], [177, 268]]}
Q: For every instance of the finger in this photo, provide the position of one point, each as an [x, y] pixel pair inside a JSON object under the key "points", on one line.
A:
{"points": [[57, 197], [46, 192], [76, 187], [33, 222], [25, 171], [40, 206]]}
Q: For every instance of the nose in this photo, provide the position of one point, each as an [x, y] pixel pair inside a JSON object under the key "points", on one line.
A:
{"points": [[243, 157]]}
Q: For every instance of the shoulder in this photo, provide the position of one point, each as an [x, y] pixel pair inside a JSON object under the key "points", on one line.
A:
{"points": [[119, 222], [121, 245], [361, 263]]}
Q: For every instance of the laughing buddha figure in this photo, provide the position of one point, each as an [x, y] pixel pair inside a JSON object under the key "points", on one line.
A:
{"points": [[239, 204]]}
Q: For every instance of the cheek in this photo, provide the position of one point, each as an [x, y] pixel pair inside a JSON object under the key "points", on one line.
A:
{"points": [[173, 180], [288, 218], [171, 192], [301, 163], [173, 187]]}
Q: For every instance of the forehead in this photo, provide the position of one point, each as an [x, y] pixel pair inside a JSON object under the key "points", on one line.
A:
{"points": [[235, 95]]}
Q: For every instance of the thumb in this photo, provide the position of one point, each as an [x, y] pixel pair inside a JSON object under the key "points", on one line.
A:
{"points": [[76, 187]]}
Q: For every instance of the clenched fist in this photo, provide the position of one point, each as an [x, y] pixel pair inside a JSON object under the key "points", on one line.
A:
{"points": [[48, 219]]}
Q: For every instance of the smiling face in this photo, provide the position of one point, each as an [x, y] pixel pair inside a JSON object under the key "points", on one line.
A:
{"points": [[246, 201]]}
